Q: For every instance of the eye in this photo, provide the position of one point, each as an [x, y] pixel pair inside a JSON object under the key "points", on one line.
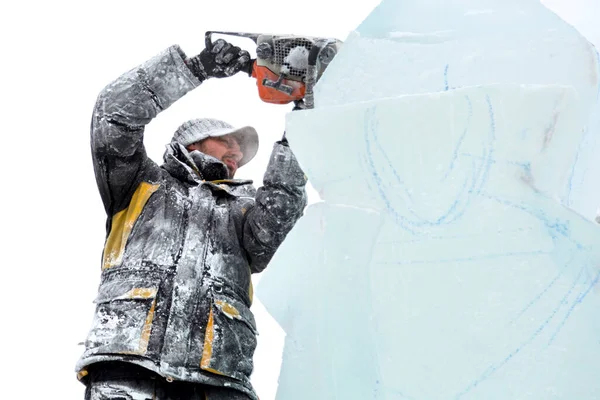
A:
{"points": [[227, 141]]}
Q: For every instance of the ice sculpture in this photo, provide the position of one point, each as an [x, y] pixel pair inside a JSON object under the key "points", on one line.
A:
{"points": [[443, 262]]}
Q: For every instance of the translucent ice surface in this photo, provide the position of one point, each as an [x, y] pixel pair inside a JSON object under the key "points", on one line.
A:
{"points": [[424, 46], [445, 261]]}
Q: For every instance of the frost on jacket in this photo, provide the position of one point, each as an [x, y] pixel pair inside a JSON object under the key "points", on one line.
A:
{"points": [[175, 290]]}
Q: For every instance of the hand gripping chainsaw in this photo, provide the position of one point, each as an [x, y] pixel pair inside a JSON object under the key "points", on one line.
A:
{"points": [[287, 67]]}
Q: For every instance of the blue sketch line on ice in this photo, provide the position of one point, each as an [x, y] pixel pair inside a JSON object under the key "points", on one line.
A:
{"points": [[446, 86], [481, 174], [562, 229], [567, 199], [371, 124], [391, 166], [463, 199], [527, 174], [577, 301], [486, 161], [371, 129], [493, 368], [556, 227], [447, 237], [461, 139], [542, 293], [524, 165], [489, 159], [467, 259], [477, 171]]}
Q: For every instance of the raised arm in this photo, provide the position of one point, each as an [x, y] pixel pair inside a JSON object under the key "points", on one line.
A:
{"points": [[122, 110], [279, 203]]}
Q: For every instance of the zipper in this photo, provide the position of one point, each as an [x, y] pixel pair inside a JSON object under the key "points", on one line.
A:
{"points": [[202, 280], [186, 207]]}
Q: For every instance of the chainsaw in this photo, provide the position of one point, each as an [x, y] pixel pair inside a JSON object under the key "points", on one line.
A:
{"points": [[287, 67]]}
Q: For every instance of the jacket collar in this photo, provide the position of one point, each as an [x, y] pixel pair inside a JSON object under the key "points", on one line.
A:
{"points": [[179, 164]]}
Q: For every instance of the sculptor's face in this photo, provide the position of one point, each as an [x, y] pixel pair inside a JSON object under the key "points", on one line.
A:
{"points": [[224, 148]]}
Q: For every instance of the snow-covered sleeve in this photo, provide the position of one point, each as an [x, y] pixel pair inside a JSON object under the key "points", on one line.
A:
{"points": [[278, 204], [122, 110]]}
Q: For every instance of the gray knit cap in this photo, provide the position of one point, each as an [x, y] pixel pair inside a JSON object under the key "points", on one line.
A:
{"points": [[195, 130]]}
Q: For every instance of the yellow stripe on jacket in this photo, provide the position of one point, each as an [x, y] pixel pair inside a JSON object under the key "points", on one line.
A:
{"points": [[122, 224]]}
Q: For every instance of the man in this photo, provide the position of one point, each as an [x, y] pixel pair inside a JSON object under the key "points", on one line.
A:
{"points": [[172, 319]]}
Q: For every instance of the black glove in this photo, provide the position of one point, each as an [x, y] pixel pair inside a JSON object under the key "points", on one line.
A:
{"points": [[219, 60]]}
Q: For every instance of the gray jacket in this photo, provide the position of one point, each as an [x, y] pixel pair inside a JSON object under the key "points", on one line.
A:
{"points": [[175, 289]]}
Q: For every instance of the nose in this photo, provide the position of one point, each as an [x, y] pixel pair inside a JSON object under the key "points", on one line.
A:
{"points": [[235, 156], [231, 163], [232, 159]]}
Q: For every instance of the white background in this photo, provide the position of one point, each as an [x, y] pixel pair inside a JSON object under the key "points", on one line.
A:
{"points": [[56, 57]]}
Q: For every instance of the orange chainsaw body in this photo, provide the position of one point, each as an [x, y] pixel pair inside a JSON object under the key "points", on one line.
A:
{"points": [[274, 96]]}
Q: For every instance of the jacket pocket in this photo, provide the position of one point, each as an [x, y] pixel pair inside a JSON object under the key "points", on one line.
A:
{"points": [[124, 316], [230, 339]]}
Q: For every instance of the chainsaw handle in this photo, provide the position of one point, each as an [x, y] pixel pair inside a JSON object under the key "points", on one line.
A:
{"points": [[208, 45], [208, 36], [311, 73]]}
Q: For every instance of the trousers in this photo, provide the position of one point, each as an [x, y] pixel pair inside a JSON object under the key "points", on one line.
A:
{"points": [[124, 381]]}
